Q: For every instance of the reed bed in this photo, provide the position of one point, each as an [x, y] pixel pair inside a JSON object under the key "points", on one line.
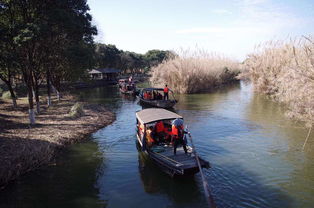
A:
{"points": [[284, 70], [192, 72]]}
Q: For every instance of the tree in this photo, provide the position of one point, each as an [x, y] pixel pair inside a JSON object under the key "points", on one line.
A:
{"points": [[155, 57], [7, 58], [109, 56], [46, 33]]}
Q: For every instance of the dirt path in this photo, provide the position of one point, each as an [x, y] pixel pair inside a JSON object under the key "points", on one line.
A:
{"points": [[24, 148]]}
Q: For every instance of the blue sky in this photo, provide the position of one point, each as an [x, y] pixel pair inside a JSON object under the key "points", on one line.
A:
{"points": [[230, 27]]}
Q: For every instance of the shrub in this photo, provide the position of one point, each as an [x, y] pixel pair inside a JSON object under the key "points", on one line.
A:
{"points": [[285, 72], [6, 95], [76, 110], [194, 73]]}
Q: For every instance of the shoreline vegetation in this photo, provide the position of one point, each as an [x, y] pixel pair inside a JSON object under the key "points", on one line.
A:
{"points": [[284, 71], [196, 72], [24, 148]]}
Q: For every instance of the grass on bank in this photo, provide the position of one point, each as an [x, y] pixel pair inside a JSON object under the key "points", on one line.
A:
{"points": [[284, 70], [24, 148], [194, 72]]}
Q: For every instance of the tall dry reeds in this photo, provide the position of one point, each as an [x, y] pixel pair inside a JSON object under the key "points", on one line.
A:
{"points": [[194, 72], [284, 70]]}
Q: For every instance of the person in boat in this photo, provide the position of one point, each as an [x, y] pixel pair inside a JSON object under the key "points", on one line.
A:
{"points": [[160, 131], [149, 95], [154, 95], [150, 136], [145, 95], [166, 92], [130, 79], [159, 96], [177, 138]]}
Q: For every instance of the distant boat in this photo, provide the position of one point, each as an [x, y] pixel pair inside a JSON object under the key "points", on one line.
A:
{"points": [[156, 98], [127, 87], [162, 154]]}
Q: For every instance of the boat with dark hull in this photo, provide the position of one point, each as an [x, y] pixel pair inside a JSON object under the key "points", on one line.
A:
{"points": [[180, 164], [126, 87], [156, 98]]}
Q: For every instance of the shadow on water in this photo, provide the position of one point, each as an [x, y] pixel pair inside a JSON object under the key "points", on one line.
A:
{"points": [[68, 183], [245, 191], [182, 192]]}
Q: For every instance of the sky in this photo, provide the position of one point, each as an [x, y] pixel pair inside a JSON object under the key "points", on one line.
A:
{"points": [[229, 27]]}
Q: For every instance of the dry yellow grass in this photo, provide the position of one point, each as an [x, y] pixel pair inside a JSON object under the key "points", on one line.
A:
{"points": [[284, 70], [24, 149], [194, 72]]}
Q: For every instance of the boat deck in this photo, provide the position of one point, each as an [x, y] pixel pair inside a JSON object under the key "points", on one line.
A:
{"points": [[181, 161]]}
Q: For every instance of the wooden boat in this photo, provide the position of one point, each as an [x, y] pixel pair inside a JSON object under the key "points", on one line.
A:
{"points": [[156, 99], [181, 164], [127, 87]]}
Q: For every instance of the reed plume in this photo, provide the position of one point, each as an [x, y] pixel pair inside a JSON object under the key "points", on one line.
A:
{"points": [[284, 70], [194, 71]]}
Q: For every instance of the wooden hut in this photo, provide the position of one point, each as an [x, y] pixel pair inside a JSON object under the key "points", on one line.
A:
{"points": [[109, 74]]}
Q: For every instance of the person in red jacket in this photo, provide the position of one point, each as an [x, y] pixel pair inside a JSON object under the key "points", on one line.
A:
{"points": [[177, 138], [166, 92], [160, 131]]}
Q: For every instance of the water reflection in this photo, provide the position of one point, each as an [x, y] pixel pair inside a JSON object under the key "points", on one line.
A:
{"points": [[254, 151], [108, 96], [68, 183], [181, 192]]}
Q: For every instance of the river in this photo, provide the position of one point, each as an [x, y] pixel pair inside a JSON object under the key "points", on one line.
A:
{"points": [[255, 152]]}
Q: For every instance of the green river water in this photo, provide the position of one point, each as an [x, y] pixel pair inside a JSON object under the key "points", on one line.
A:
{"points": [[255, 152]]}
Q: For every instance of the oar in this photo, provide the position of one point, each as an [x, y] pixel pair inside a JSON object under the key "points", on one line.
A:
{"points": [[173, 97], [207, 192], [307, 137]]}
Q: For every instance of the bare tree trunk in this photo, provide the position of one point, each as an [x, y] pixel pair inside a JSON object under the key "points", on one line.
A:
{"points": [[48, 89], [13, 96], [9, 84], [37, 104], [58, 87], [28, 78], [58, 95], [31, 105], [36, 90]]}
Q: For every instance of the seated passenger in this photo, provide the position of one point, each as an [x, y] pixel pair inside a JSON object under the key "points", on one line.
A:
{"points": [[154, 95], [168, 134], [149, 95], [160, 131], [159, 96], [149, 137]]}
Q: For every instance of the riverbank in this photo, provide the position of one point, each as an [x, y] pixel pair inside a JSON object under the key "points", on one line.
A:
{"points": [[284, 70], [24, 149]]}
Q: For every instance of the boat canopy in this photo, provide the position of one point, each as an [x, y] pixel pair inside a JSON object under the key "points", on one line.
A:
{"points": [[150, 115]]}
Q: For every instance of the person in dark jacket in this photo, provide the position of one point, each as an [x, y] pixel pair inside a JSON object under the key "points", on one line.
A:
{"points": [[177, 138]]}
